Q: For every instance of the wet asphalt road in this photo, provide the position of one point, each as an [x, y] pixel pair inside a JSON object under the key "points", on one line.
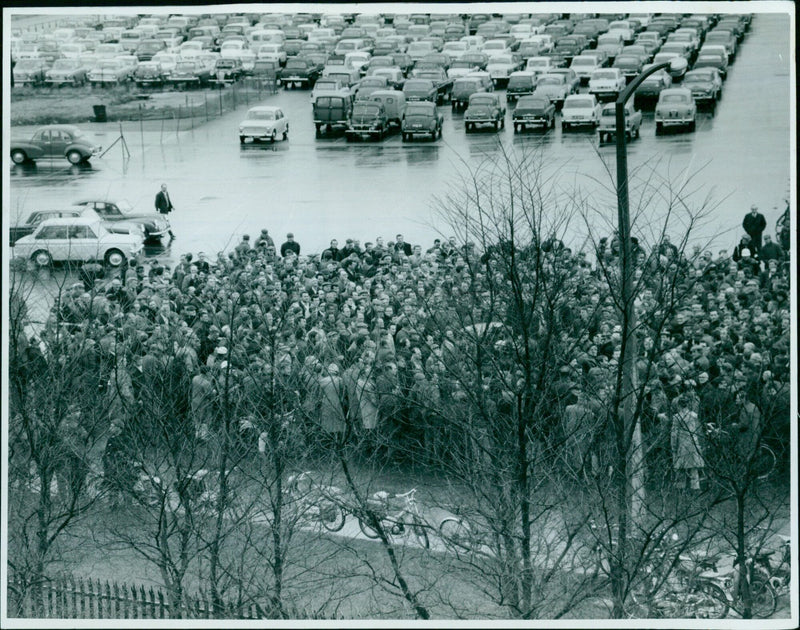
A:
{"points": [[325, 188]]}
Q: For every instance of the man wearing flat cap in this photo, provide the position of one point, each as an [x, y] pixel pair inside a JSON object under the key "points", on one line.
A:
{"points": [[290, 245], [754, 224]]}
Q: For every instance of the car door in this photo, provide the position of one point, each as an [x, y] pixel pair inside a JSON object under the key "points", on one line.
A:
{"points": [[54, 239], [58, 142], [280, 121], [82, 244]]}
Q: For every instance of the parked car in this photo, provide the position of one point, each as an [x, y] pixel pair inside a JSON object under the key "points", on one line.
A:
{"points": [[54, 141], [32, 221], [607, 129], [148, 48], [367, 120], [675, 108], [534, 111], [271, 52], [66, 71], [394, 103], [611, 43], [190, 73], [630, 65], [149, 73], [712, 59], [300, 72], [485, 109], [540, 65], [571, 79], [652, 86], [554, 87], [463, 88], [580, 110], [327, 86], [30, 71], [152, 224], [679, 63], [607, 83], [500, 67], [264, 122], [521, 83], [584, 66], [78, 239], [226, 71], [368, 85], [421, 118], [705, 84], [393, 75], [331, 111]]}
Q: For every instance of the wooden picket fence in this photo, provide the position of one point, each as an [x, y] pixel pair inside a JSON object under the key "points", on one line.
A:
{"points": [[68, 597]]}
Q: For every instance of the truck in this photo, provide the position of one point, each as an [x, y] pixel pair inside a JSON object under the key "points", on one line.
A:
{"points": [[368, 119], [332, 111]]}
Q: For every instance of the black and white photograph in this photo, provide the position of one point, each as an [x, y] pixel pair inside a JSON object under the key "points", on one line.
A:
{"points": [[399, 314]]}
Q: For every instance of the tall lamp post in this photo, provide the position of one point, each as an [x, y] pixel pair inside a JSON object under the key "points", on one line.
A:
{"points": [[635, 493]]}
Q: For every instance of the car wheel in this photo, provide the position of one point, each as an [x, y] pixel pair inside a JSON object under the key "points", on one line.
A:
{"points": [[637, 132], [564, 126], [42, 258], [18, 156], [433, 135], [114, 258], [659, 128], [502, 123], [273, 135], [405, 137], [440, 131], [241, 139], [286, 133], [692, 125], [496, 125], [74, 157]]}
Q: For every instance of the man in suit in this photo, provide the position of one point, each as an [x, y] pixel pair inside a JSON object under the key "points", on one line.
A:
{"points": [[164, 204], [754, 224]]}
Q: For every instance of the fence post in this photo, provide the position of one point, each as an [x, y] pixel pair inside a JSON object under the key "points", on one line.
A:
{"points": [[246, 88], [123, 600], [135, 603], [82, 592], [161, 605], [161, 138], [233, 95], [178, 121], [222, 87], [109, 601], [141, 127], [205, 97], [74, 592]]}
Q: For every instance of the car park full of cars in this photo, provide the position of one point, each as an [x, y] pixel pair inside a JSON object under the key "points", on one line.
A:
{"points": [[78, 239], [264, 122]]}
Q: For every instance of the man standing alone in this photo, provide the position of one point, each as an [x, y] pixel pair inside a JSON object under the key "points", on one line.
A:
{"points": [[164, 204], [754, 224]]}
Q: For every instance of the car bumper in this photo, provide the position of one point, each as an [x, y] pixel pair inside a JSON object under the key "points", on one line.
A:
{"points": [[604, 92], [481, 121], [516, 95], [294, 79], [532, 120], [257, 135], [703, 98], [577, 121], [414, 129], [674, 120]]}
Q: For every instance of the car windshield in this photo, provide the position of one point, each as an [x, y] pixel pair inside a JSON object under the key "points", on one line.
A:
{"points": [[462, 64], [325, 85], [455, 46], [419, 85], [533, 103], [295, 63], [709, 58], [373, 82], [674, 98], [501, 59], [604, 74], [583, 61], [110, 63], [697, 77], [364, 109], [481, 101], [578, 103], [520, 81], [551, 80], [494, 46], [418, 109], [538, 63], [260, 115]]}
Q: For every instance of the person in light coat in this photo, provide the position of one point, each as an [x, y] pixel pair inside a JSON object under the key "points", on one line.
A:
{"points": [[687, 456]]}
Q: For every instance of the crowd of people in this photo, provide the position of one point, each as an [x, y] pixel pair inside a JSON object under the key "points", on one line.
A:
{"points": [[373, 343]]}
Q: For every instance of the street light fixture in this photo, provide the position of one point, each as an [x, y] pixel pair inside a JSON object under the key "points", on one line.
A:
{"points": [[635, 481]]}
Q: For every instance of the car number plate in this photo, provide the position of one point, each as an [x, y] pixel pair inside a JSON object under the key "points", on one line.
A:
{"points": [[293, 78]]}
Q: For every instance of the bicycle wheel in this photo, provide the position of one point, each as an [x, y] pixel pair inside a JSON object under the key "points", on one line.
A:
{"points": [[456, 532], [764, 462], [764, 598], [331, 516], [420, 533], [366, 529], [709, 601]]}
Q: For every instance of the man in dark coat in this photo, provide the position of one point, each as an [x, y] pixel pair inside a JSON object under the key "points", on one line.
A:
{"points": [[164, 204], [754, 224], [401, 246], [290, 245]]}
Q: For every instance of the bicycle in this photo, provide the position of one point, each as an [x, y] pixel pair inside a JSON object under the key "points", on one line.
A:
{"points": [[315, 502], [379, 514], [762, 463]]}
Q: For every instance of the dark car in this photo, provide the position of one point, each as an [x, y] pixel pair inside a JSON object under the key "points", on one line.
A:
{"points": [[421, 118], [227, 71], [477, 59], [570, 46], [521, 83], [35, 218], [190, 73], [152, 224], [630, 65], [331, 111], [300, 72], [420, 90], [54, 141], [705, 84], [534, 111], [367, 120], [463, 88], [148, 48], [403, 61], [149, 73], [707, 59], [485, 109], [29, 71]]}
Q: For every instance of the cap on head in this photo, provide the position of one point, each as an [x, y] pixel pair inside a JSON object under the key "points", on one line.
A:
{"points": [[290, 235]]}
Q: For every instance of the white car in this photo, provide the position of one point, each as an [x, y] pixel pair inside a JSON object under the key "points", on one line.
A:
{"points": [[271, 52], [357, 60], [232, 49], [265, 122], [607, 82], [500, 67], [78, 239], [473, 42], [455, 49], [584, 66], [190, 50], [329, 87], [495, 47], [543, 40], [167, 60], [539, 65], [580, 109]]}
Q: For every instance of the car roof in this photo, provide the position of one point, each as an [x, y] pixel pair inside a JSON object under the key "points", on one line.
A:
{"points": [[523, 73], [676, 90], [81, 220], [263, 108], [70, 128]]}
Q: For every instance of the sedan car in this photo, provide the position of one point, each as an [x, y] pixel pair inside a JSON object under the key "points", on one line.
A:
{"points": [[501, 66], [630, 65], [534, 111], [705, 84], [652, 86], [520, 83], [264, 122], [485, 108], [554, 87], [54, 141], [712, 59], [300, 72], [579, 110], [67, 71], [152, 224], [584, 65], [607, 129], [78, 239], [109, 72], [190, 72], [421, 118], [149, 73], [607, 83], [30, 71], [675, 108]]}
